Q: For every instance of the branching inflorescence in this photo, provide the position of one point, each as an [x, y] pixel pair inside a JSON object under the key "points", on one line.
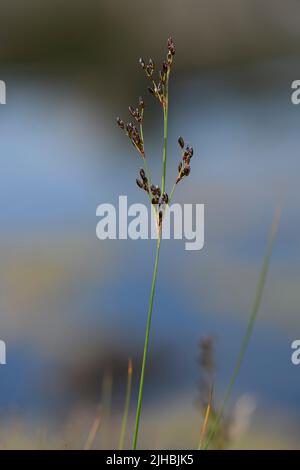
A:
{"points": [[158, 197], [134, 131]]}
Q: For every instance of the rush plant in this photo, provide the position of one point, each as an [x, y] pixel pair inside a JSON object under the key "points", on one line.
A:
{"points": [[158, 197]]}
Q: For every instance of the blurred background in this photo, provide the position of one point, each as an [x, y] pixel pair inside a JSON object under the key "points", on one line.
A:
{"points": [[73, 308]]}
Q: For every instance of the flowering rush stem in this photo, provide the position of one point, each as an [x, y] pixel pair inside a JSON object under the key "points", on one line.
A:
{"points": [[158, 197], [146, 346], [165, 103], [166, 110]]}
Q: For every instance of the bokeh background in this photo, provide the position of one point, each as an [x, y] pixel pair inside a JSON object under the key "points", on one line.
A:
{"points": [[73, 308]]}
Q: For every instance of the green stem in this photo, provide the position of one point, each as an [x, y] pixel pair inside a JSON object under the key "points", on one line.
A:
{"points": [[145, 163], [171, 194], [147, 171], [249, 330], [166, 111], [173, 189], [148, 327], [142, 378]]}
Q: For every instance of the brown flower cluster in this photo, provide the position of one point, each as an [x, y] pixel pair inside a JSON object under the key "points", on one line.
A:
{"points": [[158, 87], [184, 168], [157, 198], [134, 130], [131, 130]]}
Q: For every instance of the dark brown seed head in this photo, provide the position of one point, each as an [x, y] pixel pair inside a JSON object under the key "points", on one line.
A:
{"points": [[120, 123], [142, 174], [136, 135], [136, 139], [179, 167], [157, 191], [141, 102], [186, 154], [181, 142], [186, 171], [139, 183], [165, 198], [171, 46], [190, 151], [132, 111], [129, 129], [165, 66], [153, 189], [151, 91]]}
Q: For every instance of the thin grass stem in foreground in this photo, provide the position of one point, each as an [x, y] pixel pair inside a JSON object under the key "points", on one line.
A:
{"points": [[94, 429], [250, 326], [126, 406], [205, 421]]}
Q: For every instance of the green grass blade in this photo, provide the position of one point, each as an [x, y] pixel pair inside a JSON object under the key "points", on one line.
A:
{"points": [[250, 326], [126, 407]]}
